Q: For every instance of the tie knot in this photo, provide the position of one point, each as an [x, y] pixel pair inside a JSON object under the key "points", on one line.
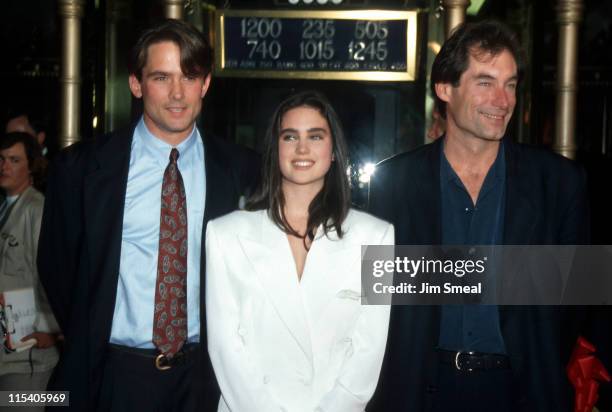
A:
{"points": [[174, 155]]}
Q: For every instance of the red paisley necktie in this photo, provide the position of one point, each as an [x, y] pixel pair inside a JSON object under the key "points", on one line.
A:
{"points": [[170, 316]]}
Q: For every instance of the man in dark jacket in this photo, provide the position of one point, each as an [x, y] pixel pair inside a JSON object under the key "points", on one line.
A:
{"points": [[472, 187]]}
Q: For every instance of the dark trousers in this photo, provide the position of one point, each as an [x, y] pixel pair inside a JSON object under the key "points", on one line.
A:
{"points": [[476, 391], [132, 383]]}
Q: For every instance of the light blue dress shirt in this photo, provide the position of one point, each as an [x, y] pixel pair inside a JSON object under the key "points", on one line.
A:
{"points": [[133, 317]]}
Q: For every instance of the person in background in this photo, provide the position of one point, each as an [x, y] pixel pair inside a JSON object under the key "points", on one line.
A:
{"points": [[26, 122], [20, 217], [286, 327]]}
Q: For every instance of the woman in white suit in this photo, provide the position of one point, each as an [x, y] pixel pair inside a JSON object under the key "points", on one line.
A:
{"points": [[287, 330]]}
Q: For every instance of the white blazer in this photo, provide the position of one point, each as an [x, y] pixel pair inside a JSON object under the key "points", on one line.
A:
{"points": [[278, 344]]}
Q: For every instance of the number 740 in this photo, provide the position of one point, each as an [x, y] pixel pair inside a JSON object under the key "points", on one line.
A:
{"points": [[264, 49]]}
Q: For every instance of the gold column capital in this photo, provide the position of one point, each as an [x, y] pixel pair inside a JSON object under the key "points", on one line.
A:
{"points": [[569, 11], [456, 3], [174, 9], [454, 14], [71, 8]]}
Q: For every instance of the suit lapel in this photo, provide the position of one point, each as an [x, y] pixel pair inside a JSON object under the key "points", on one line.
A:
{"points": [[426, 211], [273, 264], [104, 197], [428, 227], [328, 265], [219, 200], [521, 214], [519, 225], [221, 196], [426, 208], [15, 211]]}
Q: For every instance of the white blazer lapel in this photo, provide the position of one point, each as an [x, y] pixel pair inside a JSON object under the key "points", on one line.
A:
{"points": [[273, 264]]}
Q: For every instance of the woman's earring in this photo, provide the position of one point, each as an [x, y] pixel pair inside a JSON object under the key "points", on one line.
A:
{"points": [[333, 157]]}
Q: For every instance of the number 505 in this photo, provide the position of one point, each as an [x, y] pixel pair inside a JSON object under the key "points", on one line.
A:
{"points": [[371, 30]]}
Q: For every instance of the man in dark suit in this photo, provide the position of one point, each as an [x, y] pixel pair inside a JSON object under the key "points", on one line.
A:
{"points": [[122, 257], [473, 186]]}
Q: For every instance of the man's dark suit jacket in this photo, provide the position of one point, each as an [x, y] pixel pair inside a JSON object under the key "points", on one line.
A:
{"points": [[80, 245], [545, 204]]}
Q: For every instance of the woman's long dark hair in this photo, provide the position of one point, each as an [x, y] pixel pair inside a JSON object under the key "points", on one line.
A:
{"points": [[330, 206]]}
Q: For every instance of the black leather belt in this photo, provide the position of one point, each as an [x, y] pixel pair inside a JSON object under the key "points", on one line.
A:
{"points": [[469, 361], [152, 356]]}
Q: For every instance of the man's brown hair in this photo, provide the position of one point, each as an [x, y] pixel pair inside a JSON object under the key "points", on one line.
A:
{"points": [[488, 36], [196, 56]]}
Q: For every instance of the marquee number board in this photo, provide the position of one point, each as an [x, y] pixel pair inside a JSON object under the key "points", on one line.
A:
{"points": [[352, 45]]}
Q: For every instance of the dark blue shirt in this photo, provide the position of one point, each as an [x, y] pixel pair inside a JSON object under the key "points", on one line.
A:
{"points": [[472, 327]]}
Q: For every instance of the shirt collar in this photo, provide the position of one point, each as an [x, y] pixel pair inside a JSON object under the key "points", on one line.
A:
{"points": [[159, 149], [495, 173], [12, 199]]}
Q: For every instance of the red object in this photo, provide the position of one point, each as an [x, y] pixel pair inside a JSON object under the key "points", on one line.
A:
{"points": [[585, 372]]}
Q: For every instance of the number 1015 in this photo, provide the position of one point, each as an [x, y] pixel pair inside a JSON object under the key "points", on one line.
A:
{"points": [[316, 50]]}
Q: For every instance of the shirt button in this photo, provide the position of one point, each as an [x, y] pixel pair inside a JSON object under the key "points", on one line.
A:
{"points": [[266, 379], [242, 331]]}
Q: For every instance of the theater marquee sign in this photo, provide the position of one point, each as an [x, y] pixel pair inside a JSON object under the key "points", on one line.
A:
{"points": [[346, 45]]}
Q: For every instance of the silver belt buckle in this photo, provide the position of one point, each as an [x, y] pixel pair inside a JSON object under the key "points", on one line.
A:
{"points": [[457, 360]]}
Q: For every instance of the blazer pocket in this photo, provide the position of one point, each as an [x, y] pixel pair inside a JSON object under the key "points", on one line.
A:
{"points": [[12, 255], [346, 312], [349, 294], [346, 347]]}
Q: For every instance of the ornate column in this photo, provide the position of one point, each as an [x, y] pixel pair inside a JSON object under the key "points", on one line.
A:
{"points": [[174, 9], [454, 14], [117, 96], [569, 14], [71, 12]]}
